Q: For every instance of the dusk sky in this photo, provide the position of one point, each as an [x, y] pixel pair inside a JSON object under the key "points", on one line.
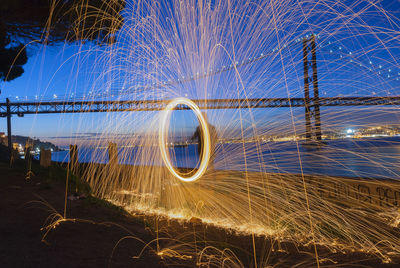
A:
{"points": [[360, 59]]}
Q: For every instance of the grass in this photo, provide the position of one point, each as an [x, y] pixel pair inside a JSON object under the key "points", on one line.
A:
{"points": [[97, 202], [76, 185], [59, 174]]}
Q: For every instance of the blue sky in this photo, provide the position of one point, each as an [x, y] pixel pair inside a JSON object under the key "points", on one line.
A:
{"points": [[358, 60]]}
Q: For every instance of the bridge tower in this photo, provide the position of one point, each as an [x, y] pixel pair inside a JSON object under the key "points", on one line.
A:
{"points": [[311, 104]]}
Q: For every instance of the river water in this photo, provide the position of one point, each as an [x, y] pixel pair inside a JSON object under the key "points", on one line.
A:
{"points": [[368, 158]]}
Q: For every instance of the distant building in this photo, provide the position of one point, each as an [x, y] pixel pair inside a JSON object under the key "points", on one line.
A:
{"points": [[18, 147]]}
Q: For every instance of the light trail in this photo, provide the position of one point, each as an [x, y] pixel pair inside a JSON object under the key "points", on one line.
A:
{"points": [[189, 52], [163, 132]]}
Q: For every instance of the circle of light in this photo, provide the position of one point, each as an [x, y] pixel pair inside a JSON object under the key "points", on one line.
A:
{"points": [[164, 124]]}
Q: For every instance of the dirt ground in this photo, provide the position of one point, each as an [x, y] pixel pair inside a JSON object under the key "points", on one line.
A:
{"points": [[26, 206], [71, 244]]}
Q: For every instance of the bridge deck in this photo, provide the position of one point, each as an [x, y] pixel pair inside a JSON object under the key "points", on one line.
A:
{"points": [[21, 108]]}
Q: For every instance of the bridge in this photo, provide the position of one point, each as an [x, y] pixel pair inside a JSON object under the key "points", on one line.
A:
{"points": [[8, 108], [311, 101], [21, 108]]}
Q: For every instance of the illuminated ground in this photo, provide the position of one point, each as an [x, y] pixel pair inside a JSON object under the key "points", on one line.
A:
{"points": [[74, 244]]}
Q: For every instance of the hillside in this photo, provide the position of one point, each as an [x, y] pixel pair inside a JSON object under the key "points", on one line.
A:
{"points": [[37, 143]]}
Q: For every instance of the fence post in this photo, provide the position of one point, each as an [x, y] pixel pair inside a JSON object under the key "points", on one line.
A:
{"points": [[27, 152], [28, 159], [45, 157], [73, 158], [112, 154]]}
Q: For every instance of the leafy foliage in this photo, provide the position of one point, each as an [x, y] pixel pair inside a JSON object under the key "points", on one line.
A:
{"points": [[12, 58], [50, 22]]}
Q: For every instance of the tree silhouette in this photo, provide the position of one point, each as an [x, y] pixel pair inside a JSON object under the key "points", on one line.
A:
{"points": [[11, 58], [50, 22]]}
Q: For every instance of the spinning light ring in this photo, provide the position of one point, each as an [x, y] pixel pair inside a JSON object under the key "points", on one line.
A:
{"points": [[164, 125]]}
